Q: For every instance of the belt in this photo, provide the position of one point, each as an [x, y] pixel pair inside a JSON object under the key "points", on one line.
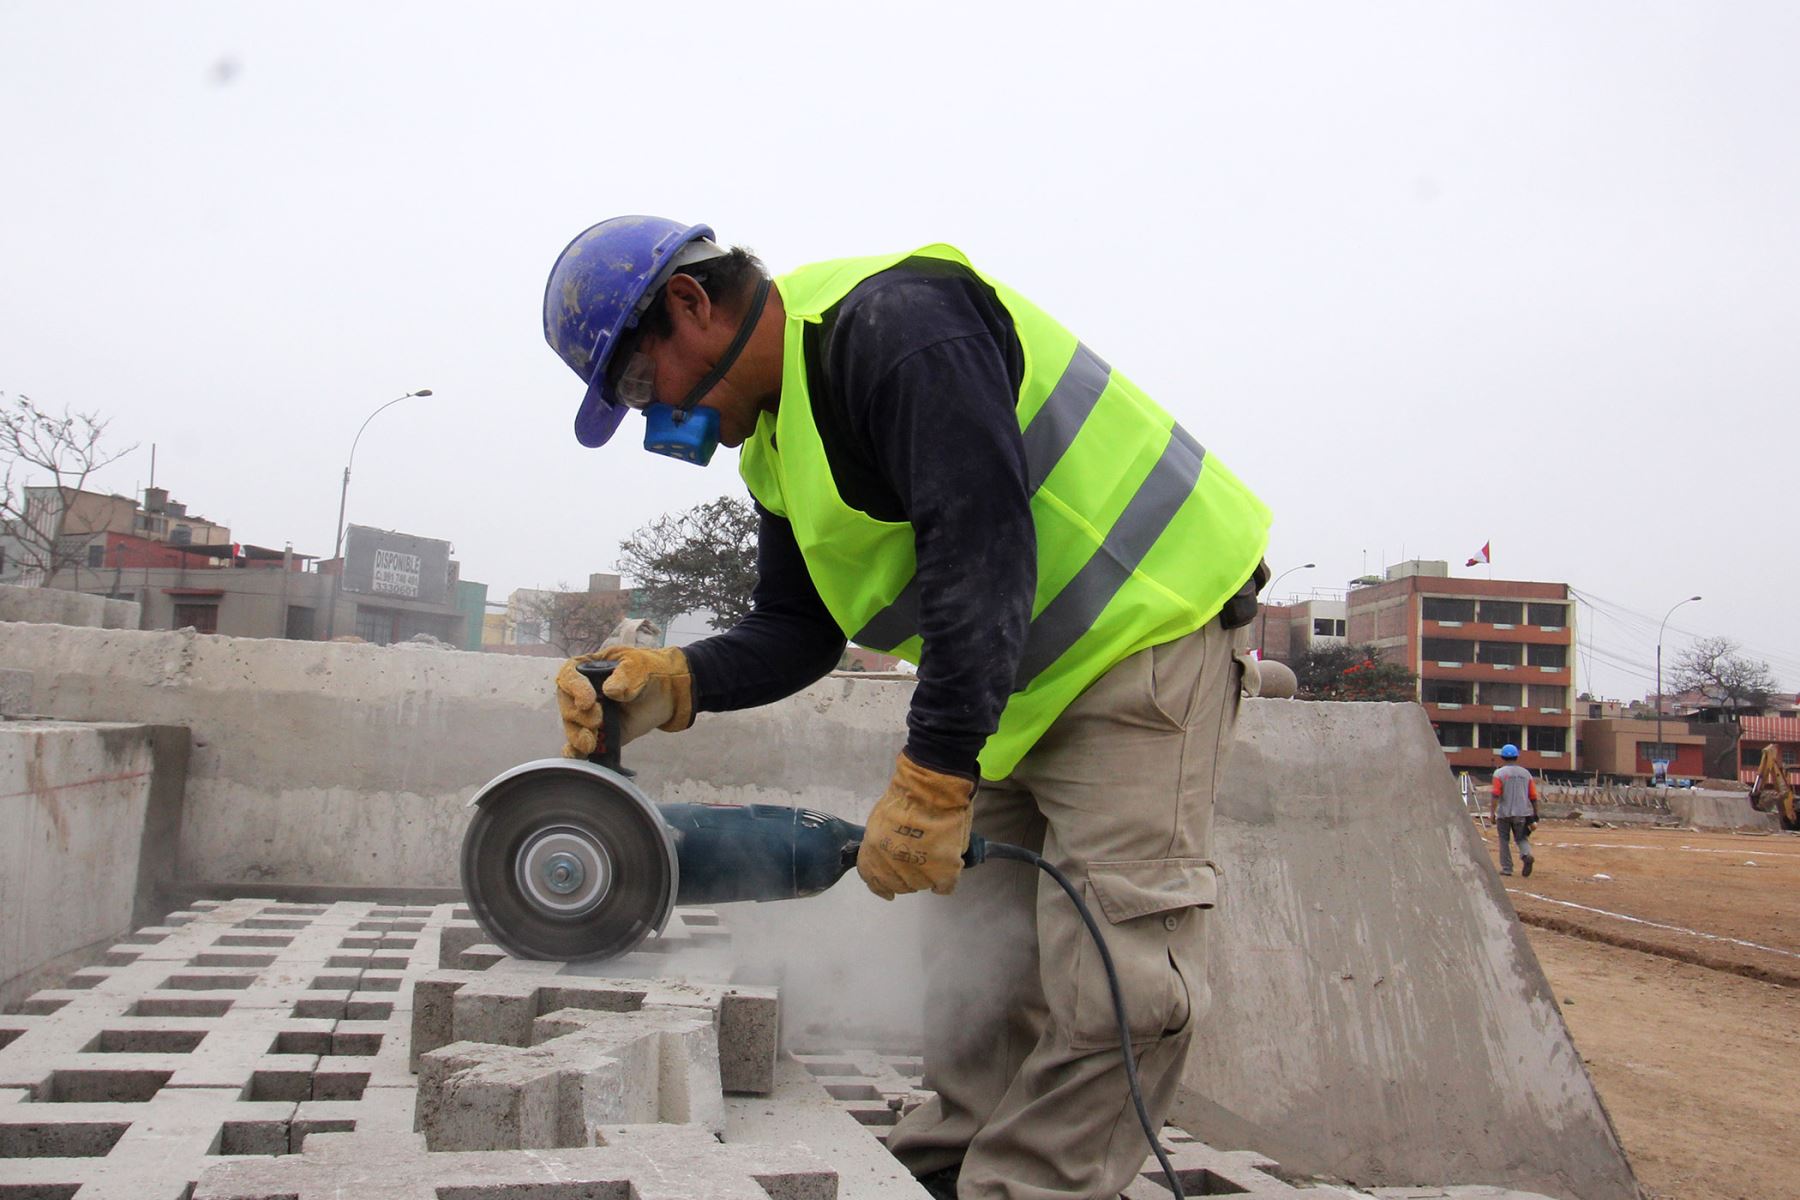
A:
{"points": [[1240, 610]]}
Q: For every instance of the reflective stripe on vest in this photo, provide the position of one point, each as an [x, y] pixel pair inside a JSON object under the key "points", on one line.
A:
{"points": [[1047, 438]]}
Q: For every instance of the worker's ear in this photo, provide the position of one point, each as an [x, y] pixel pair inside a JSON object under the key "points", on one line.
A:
{"points": [[688, 304]]}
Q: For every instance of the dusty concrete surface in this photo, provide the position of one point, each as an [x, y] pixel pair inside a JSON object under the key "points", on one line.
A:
{"points": [[250, 1050], [57, 607], [75, 802], [1374, 999]]}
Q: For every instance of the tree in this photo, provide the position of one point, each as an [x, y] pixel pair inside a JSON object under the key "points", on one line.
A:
{"points": [[1714, 668], [1344, 672], [67, 449], [574, 622], [704, 558]]}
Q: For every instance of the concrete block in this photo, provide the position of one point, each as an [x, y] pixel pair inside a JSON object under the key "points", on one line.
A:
{"points": [[583, 1068], [646, 1163], [203, 1039], [800, 1111], [466, 1102], [1204, 1171], [500, 1004], [749, 1034], [73, 800], [453, 939]]}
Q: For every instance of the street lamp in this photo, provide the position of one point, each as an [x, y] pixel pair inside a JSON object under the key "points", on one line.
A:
{"points": [[1659, 691], [1262, 629], [337, 544]]}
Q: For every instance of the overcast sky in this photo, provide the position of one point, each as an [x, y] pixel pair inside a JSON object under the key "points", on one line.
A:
{"points": [[1426, 275]]}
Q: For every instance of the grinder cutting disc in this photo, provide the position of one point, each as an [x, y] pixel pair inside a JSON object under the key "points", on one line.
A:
{"points": [[567, 860]]}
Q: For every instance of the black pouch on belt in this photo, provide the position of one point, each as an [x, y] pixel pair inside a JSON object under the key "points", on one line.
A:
{"points": [[1240, 610]]}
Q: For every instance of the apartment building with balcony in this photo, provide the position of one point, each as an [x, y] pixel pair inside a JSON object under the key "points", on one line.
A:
{"points": [[1495, 659]]}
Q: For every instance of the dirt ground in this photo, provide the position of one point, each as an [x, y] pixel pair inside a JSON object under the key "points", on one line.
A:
{"points": [[1695, 1047]]}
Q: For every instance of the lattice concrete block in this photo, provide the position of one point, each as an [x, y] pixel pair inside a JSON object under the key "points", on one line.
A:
{"points": [[874, 1087], [1204, 1171], [800, 1110], [583, 1069], [643, 1162], [232, 1028], [498, 1006], [141, 1150]]}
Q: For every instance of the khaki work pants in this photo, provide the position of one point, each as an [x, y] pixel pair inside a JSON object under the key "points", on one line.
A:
{"points": [[1021, 1044]]}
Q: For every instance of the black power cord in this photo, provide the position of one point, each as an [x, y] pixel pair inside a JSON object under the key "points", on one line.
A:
{"points": [[1020, 854]]}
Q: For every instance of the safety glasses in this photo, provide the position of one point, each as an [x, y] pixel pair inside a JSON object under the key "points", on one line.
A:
{"points": [[635, 386]]}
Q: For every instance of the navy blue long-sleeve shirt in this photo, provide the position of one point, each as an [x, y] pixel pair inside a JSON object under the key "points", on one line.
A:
{"points": [[914, 380]]}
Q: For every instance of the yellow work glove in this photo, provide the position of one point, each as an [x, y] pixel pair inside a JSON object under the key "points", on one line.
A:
{"points": [[917, 833], [653, 686]]}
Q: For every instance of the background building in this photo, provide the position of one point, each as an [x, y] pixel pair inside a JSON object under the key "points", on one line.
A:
{"points": [[1286, 631], [1494, 657], [1622, 748], [64, 532]]}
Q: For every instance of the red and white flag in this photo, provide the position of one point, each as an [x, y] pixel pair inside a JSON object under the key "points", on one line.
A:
{"points": [[1482, 555]]}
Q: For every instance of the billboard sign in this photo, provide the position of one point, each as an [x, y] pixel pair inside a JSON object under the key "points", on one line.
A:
{"points": [[379, 562]]}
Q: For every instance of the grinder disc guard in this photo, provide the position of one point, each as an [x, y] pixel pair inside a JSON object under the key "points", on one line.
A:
{"points": [[567, 860]]}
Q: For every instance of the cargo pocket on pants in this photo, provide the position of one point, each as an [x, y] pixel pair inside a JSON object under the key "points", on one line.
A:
{"points": [[1150, 912]]}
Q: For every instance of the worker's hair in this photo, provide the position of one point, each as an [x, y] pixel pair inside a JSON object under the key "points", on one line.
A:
{"points": [[728, 281]]}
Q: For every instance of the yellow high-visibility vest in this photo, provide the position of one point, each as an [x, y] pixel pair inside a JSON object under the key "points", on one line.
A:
{"points": [[1141, 535]]}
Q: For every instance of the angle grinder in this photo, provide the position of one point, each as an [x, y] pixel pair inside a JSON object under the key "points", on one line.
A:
{"points": [[570, 860]]}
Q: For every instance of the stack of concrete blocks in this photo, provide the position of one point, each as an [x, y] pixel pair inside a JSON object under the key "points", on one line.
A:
{"points": [[253, 1050], [639, 1162], [520, 1056], [235, 1028], [257, 1049]]}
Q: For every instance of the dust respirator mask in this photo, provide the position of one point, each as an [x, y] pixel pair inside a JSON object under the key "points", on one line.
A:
{"points": [[685, 430]]}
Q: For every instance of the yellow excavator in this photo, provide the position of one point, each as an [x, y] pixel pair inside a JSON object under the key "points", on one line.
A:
{"points": [[1771, 792]]}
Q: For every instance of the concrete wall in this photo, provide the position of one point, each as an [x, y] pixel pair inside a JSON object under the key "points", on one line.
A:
{"points": [[1699, 809], [313, 763], [55, 606], [1377, 1010], [86, 810]]}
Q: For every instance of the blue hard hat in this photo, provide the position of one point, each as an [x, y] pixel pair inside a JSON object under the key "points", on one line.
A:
{"points": [[1509, 751], [599, 287]]}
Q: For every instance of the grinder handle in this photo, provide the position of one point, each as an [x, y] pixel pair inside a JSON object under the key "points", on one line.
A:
{"points": [[612, 717], [977, 853]]}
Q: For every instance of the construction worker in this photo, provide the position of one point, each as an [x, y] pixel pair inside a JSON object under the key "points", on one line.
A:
{"points": [[1513, 808], [942, 472]]}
